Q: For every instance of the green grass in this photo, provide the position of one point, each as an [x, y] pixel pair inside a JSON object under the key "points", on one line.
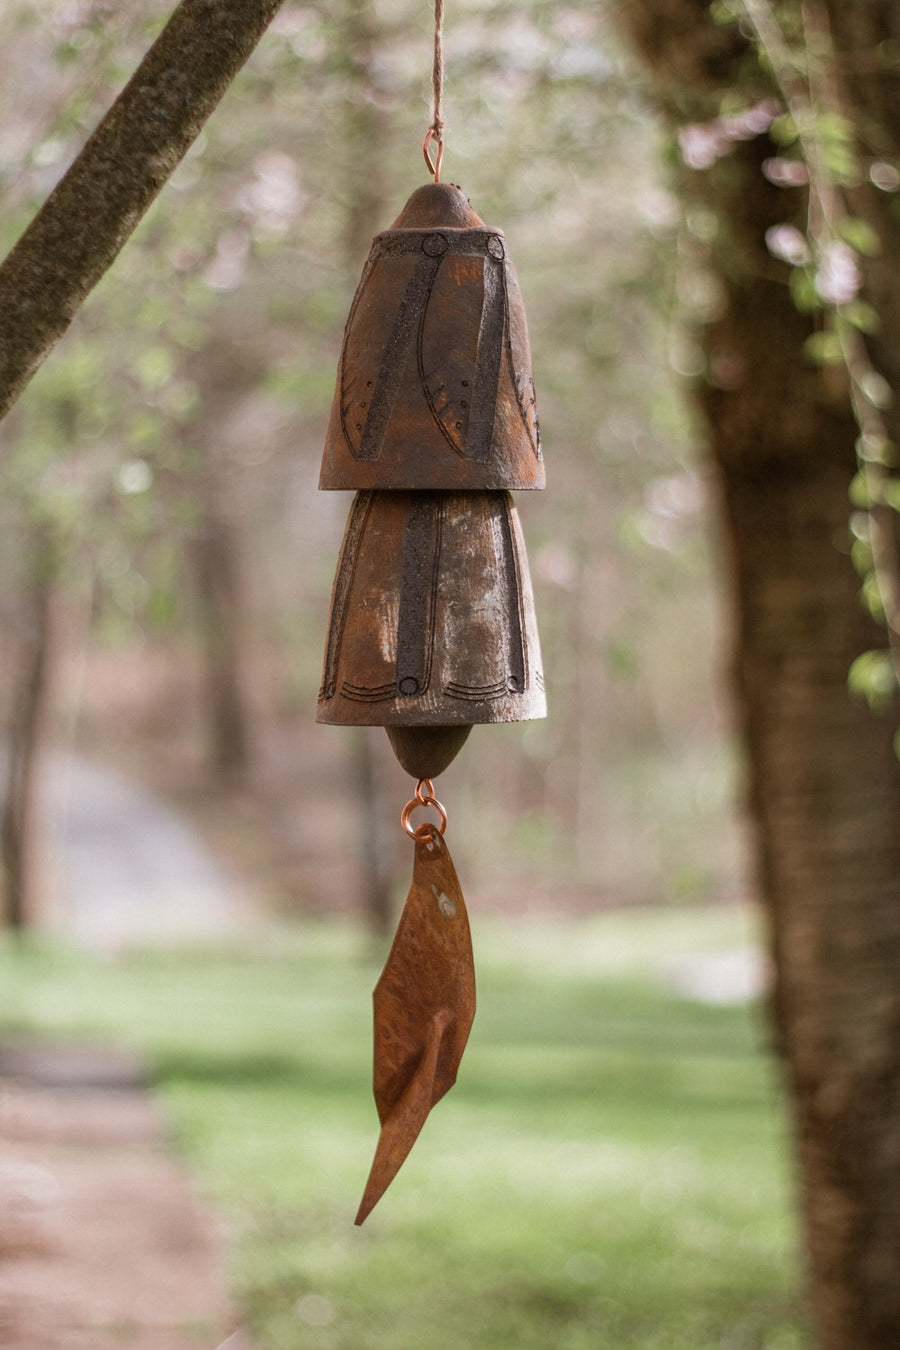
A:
{"points": [[609, 1171]]}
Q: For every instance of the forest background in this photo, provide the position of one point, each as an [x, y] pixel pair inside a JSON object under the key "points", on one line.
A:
{"points": [[167, 558], [168, 562]]}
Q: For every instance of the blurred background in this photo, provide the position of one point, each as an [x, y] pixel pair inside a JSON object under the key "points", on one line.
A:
{"points": [[166, 569], [163, 539]]}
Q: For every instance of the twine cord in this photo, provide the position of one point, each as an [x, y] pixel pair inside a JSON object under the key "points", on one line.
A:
{"points": [[437, 80], [435, 131]]}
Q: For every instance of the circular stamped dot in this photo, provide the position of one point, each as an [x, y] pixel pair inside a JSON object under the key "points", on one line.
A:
{"points": [[409, 685], [434, 245]]}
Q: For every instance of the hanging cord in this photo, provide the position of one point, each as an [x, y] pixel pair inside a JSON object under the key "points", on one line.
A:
{"points": [[436, 131]]}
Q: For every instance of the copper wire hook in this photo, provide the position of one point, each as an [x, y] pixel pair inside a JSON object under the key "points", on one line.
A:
{"points": [[424, 796], [435, 168]]}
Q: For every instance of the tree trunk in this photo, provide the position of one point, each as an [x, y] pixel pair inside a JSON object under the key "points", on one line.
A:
{"points": [[216, 566], [825, 799], [82, 226], [824, 781], [28, 707]]}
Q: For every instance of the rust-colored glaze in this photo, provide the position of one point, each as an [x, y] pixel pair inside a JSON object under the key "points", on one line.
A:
{"points": [[434, 386], [425, 752], [432, 615], [424, 1004]]}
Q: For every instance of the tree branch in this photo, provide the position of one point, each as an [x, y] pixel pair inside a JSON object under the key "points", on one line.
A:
{"points": [[91, 212]]}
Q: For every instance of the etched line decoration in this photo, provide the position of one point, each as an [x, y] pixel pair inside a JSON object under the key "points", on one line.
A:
{"points": [[476, 693], [493, 334], [471, 434], [508, 561], [392, 244], [527, 402], [358, 693], [346, 571], [393, 361], [418, 592]]}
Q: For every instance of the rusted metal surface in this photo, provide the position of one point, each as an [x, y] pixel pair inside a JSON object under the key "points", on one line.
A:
{"points": [[425, 752], [434, 386], [424, 1005], [432, 617]]}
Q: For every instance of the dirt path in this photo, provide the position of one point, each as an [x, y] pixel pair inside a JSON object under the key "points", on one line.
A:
{"points": [[102, 1241], [122, 868]]}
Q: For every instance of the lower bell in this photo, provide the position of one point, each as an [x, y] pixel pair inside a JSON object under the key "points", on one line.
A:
{"points": [[432, 625]]}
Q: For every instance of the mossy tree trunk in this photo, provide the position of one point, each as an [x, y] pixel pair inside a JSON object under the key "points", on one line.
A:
{"points": [[824, 783], [84, 223]]}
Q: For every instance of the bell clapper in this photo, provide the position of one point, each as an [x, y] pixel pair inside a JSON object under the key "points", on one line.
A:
{"points": [[424, 1001], [424, 751]]}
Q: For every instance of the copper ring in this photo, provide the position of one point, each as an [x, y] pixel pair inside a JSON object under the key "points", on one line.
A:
{"points": [[427, 828]]}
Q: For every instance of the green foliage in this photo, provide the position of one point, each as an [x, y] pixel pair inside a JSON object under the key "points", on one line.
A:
{"points": [[872, 677], [802, 282], [827, 253], [725, 11], [864, 494], [836, 138], [858, 491], [861, 315], [861, 235], [875, 447], [608, 1171], [784, 130], [824, 348]]}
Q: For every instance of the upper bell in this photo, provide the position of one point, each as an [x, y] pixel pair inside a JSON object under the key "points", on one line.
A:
{"points": [[434, 386]]}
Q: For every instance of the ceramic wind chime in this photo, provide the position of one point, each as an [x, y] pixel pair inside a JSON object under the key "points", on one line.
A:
{"points": [[432, 626]]}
